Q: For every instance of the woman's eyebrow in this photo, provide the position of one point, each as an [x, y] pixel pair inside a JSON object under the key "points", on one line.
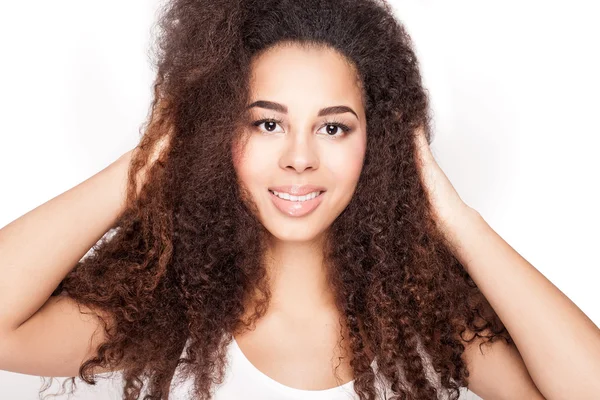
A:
{"points": [[271, 105]]}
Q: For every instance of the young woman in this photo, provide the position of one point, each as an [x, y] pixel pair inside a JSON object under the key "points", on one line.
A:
{"points": [[282, 231]]}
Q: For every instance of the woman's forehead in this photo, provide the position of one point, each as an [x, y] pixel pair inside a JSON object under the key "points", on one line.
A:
{"points": [[294, 75]]}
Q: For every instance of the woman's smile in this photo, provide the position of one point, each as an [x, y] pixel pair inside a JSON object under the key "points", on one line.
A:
{"points": [[296, 206]]}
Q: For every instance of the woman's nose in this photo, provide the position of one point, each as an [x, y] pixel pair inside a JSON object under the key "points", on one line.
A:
{"points": [[299, 152]]}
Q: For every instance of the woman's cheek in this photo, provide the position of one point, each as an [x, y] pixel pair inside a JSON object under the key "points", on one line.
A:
{"points": [[236, 154], [249, 163], [348, 165]]}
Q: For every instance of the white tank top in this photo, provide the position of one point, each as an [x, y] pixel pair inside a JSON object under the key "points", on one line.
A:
{"points": [[243, 380]]}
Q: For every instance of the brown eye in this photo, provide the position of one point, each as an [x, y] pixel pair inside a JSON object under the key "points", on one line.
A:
{"points": [[332, 131], [270, 124], [336, 129]]}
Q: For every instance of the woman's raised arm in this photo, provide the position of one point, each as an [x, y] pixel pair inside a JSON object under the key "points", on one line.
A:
{"points": [[39, 334]]}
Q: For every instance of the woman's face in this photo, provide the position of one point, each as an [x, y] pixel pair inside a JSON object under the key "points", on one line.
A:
{"points": [[313, 144]]}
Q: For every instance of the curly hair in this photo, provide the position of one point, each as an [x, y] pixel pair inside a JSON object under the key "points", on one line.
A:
{"points": [[184, 258]]}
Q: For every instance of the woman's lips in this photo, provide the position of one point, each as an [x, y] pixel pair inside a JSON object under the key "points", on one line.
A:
{"points": [[296, 208], [297, 189]]}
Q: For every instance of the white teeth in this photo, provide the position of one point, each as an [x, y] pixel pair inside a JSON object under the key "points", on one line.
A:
{"points": [[290, 197]]}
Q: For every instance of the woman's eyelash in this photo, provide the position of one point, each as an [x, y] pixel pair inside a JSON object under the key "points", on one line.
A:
{"points": [[263, 120], [345, 128]]}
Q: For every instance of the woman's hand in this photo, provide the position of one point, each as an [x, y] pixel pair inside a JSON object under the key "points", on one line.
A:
{"points": [[160, 125], [157, 151], [446, 202]]}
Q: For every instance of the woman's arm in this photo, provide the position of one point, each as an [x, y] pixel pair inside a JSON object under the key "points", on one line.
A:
{"points": [[38, 249], [559, 344]]}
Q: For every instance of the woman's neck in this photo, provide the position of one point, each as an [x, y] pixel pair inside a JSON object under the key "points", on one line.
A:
{"points": [[297, 277]]}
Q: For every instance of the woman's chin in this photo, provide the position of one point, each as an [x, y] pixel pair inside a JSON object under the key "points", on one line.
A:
{"points": [[295, 234]]}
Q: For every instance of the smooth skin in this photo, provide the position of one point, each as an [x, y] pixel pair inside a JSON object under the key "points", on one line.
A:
{"points": [[47, 336], [53, 340], [303, 148]]}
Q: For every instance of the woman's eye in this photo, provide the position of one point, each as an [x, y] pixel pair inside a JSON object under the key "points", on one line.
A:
{"points": [[331, 129], [270, 124], [335, 129]]}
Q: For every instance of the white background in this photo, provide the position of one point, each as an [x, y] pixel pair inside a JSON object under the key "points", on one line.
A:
{"points": [[514, 87]]}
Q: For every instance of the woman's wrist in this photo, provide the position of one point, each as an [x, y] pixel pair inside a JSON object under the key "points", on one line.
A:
{"points": [[119, 169]]}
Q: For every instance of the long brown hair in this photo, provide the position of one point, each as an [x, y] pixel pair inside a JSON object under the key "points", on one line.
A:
{"points": [[185, 257]]}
